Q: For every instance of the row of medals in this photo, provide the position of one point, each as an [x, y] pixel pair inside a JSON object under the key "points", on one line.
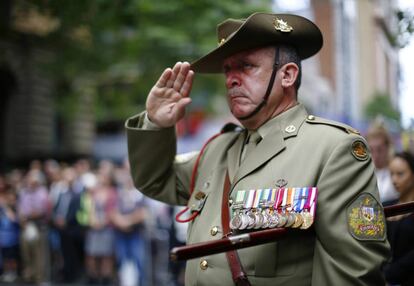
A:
{"points": [[270, 218]]}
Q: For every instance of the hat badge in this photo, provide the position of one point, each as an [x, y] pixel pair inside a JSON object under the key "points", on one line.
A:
{"points": [[282, 26]]}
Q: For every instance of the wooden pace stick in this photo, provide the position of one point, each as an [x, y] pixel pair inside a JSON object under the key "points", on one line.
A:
{"points": [[257, 237], [398, 209]]}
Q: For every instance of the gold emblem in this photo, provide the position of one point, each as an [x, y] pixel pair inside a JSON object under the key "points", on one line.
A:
{"points": [[222, 41], [282, 26], [359, 150]]}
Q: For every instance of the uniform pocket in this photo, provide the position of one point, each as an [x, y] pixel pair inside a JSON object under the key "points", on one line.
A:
{"points": [[270, 260]]}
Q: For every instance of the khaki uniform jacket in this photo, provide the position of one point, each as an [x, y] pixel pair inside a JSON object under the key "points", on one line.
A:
{"points": [[316, 153]]}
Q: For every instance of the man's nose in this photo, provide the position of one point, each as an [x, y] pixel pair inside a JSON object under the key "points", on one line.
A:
{"points": [[232, 80]]}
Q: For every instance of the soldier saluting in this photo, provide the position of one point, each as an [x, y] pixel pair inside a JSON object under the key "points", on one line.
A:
{"points": [[286, 168]]}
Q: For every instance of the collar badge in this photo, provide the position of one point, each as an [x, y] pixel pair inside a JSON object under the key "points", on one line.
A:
{"points": [[280, 183]]}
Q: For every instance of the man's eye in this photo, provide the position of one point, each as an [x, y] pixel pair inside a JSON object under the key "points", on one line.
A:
{"points": [[248, 66]]}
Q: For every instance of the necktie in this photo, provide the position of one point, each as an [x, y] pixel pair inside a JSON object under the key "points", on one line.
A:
{"points": [[252, 140]]}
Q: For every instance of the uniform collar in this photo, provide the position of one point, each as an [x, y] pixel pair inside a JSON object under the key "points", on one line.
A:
{"points": [[288, 122], [274, 133]]}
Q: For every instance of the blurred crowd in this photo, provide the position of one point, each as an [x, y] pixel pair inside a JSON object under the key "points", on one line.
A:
{"points": [[395, 177], [75, 223], [84, 224]]}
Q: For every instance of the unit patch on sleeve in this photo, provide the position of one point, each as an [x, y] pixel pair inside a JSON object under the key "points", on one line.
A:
{"points": [[365, 218], [359, 150]]}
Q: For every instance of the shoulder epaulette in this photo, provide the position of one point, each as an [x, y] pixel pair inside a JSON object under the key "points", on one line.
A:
{"points": [[318, 120]]}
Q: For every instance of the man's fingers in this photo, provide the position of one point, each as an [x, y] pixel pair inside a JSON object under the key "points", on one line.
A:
{"points": [[179, 107], [188, 83], [175, 71], [162, 81], [182, 74]]}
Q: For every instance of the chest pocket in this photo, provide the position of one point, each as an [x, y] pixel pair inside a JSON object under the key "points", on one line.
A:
{"points": [[203, 200], [267, 260], [279, 259]]}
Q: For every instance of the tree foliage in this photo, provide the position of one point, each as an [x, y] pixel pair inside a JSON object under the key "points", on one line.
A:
{"points": [[381, 106], [122, 46], [405, 27]]}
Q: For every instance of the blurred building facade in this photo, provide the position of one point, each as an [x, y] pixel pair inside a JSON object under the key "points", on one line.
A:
{"points": [[359, 58], [29, 126]]}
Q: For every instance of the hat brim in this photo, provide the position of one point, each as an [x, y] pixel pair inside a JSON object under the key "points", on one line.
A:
{"points": [[259, 31]]}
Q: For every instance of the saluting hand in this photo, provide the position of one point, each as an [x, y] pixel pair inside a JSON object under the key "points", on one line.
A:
{"points": [[168, 98]]}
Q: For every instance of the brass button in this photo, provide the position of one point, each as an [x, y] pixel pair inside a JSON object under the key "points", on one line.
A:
{"points": [[311, 117], [203, 264], [214, 230], [200, 195]]}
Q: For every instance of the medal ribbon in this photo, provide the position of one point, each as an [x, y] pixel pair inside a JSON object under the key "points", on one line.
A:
{"points": [[274, 195], [249, 202], [281, 199], [257, 196], [289, 201], [303, 198], [266, 194], [285, 197], [308, 200], [240, 198], [312, 201], [297, 200]]}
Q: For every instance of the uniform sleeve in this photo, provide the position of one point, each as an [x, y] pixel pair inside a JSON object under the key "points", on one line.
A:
{"points": [[342, 255], [154, 168]]}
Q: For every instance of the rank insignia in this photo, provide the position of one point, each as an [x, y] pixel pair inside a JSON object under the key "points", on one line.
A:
{"points": [[359, 150], [282, 26], [366, 219]]}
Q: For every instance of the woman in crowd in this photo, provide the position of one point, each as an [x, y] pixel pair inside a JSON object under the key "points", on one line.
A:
{"points": [[401, 228]]}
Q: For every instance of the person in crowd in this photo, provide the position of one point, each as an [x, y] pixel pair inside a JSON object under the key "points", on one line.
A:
{"points": [[83, 173], [66, 203], [96, 205], [380, 144], [280, 148], [9, 232], [128, 218], [52, 170], [400, 229], [33, 213]]}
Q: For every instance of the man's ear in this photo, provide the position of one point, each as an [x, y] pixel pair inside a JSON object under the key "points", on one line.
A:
{"points": [[289, 75]]}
